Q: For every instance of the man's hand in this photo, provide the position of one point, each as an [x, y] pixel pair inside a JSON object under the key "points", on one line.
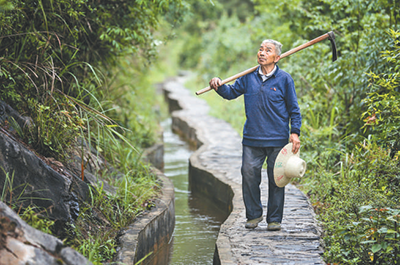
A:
{"points": [[215, 83], [294, 139]]}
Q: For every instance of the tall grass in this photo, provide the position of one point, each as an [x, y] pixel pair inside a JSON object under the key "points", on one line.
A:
{"points": [[133, 111], [12, 195]]}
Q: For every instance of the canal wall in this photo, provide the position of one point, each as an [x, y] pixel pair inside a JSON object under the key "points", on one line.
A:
{"points": [[214, 169], [147, 238]]}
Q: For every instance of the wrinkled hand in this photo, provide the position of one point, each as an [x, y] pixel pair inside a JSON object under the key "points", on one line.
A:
{"points": [[294, 139], [215, 83]]}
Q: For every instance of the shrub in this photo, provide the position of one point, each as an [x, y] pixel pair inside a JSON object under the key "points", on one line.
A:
{"points": [[382, 117], [366, 179]]}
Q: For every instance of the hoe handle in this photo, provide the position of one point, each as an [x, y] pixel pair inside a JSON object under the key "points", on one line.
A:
{"points": [[329, 35]]}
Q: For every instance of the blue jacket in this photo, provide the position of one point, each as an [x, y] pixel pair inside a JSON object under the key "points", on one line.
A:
{"points": [[269, 106]]}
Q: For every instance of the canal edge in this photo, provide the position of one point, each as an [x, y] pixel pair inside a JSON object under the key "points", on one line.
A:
{"points": [[216, 183], [152, 230]]}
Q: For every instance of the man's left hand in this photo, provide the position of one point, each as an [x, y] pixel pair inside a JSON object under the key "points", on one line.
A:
{"points": [[294, 139]]}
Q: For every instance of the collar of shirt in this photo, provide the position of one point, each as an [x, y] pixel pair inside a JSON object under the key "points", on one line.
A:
{"points": [[265, 77]]}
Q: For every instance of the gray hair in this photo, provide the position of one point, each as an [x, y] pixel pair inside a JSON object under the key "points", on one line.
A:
{"points": [[277, 44]]}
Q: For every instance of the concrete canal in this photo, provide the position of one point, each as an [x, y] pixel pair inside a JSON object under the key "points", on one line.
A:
{"points": [[197, 219]]}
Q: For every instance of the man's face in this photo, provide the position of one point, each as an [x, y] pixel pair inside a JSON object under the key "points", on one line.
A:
{"points": [[266, 55]]}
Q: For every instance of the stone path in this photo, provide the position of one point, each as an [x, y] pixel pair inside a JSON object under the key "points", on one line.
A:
{"points": [[219, 154], [297, 242]]}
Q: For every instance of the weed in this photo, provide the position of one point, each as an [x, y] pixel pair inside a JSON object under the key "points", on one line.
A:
{"points": [[8, 193], [34, 219]]}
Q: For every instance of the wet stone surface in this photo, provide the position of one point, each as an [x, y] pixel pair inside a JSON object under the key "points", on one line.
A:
{"points": [[299, 240]]}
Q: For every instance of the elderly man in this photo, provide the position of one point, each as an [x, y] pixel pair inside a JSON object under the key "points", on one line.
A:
{"points": [[270, 104]]}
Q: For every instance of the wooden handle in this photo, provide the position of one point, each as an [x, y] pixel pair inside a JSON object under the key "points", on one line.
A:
{"points": [[305, 45], [229, 79], [204, 90], [301, 47]]}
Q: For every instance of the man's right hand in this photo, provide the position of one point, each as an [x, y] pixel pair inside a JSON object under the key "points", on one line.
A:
{"points": [[215, 83]]}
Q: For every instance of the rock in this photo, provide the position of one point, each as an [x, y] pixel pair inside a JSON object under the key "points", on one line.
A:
{"points": [[29, 180], [22, 244], [96, 167], [6, 112]]}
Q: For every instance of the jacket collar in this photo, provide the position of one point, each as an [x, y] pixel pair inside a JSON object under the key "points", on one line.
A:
{"points": [[274, 74]]}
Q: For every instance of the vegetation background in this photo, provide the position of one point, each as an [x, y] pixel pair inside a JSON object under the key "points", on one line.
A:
{"points": [[350, 108], [81, 70], [85, 69]]}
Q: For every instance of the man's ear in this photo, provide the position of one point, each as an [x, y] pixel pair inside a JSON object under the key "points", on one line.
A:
{"points": [[277, 58]]}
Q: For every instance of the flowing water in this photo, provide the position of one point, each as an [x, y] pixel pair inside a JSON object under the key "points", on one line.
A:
{"points": [[197, 218]]}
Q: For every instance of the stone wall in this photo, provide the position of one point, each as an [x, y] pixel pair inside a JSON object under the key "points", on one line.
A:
{"points": [[210, 165]]}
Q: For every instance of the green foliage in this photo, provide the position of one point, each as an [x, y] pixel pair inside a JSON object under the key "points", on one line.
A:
{"points": [[132, 106], [33, 218], [136, 109], [51, 49], [54, 129], [94, 232], [214, 29], [360, 28], [375, 236], [12, 195], [92, 236], [367, 177], [130, 191], [61, 65], [382, 118], [5, 5], [97, 249], [224, 52], [350, 108]]}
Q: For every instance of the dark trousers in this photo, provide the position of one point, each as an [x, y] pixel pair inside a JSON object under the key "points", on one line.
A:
{"points": [[252, 160]]}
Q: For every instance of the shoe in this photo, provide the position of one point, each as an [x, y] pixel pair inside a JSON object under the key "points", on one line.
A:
{"points": [[274, 227], [253, 223]]}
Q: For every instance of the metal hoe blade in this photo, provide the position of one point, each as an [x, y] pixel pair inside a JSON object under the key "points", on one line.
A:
{"points": [[332, 39]]}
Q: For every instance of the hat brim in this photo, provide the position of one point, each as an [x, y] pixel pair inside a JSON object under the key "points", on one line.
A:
{"points": [[281, 180]]}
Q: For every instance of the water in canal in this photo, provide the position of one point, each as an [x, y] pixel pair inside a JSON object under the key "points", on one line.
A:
{"points": [[197, 218]]}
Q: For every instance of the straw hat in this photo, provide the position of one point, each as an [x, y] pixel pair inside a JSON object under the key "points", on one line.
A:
{"points": [[288, 166]]}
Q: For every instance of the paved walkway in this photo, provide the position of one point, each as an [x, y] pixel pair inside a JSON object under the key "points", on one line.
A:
{"points": [[220, 154]]}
